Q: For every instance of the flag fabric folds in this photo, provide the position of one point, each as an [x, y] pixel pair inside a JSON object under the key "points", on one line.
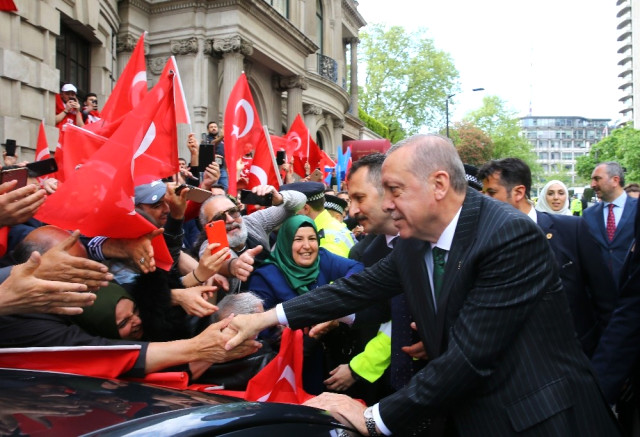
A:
{"points": [[281, 379], [242, 128], [98, 196], [302, 148], [131, 87]]}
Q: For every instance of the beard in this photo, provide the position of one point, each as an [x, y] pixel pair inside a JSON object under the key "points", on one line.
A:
{"points": [[239, 238]]}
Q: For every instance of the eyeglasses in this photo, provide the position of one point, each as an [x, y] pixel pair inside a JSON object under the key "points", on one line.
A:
{"points": [[234, 213]]}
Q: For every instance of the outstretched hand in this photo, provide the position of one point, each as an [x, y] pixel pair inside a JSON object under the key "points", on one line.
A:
{"points": [[24, 292]]}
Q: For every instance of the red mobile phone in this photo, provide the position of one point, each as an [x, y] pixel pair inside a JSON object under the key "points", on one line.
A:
{"points": [[217, 233], [19, 174]]}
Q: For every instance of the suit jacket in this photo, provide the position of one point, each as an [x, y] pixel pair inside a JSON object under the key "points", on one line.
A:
{"points": [[504, 356], [618, 352], [588, 286], [613, 252]]}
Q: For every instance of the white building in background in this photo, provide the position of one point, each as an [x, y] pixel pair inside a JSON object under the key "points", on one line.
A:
{"points": [[298, 55], [559, 141], [629, 49]]}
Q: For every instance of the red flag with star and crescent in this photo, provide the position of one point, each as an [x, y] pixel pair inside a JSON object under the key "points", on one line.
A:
{"points": [[242, 128], [302, 147]]}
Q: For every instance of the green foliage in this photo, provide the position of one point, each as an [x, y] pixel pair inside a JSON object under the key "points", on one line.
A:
{"points": [[374, 124], [621, 146], [503, 127], [406, 79], [474, 146]]}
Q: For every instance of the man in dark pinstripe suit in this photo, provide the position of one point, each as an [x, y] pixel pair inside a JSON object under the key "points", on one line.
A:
{"points": [[504, 360]]}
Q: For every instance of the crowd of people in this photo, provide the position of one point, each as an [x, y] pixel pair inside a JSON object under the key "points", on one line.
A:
{"points": [[437, 292]]}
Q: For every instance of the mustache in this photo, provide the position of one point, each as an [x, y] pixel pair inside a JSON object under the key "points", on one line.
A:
{"points": [[232, 226], [359, 217]]}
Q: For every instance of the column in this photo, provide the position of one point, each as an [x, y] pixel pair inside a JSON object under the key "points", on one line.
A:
{"points": [[311, 114], [338, 126], [293, 85], [354, 76], [233, 50]]}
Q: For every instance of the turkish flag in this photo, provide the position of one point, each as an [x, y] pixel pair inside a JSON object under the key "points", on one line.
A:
{"points": [[281, 379], [97, 361], [263, 170], [42, 148], [79, 145], [8, 6], [182, 110], [242, 128], [302, 147], [326, 164], [97, 197], [130, 88]]}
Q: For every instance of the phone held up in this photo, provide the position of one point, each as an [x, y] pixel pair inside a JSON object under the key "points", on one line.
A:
{"points": [[15, 174], [217, 233], [248, 197], [195, 194]]}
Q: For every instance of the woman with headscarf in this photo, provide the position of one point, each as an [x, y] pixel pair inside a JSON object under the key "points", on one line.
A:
{"points": [[296, 266], [554, 198]]}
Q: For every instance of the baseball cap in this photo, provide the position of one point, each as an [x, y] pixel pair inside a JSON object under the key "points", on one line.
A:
{"points": [[69, 87], [150, 193]]}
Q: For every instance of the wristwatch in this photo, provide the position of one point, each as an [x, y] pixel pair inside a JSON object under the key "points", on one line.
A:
{"points": [[370, 422]]}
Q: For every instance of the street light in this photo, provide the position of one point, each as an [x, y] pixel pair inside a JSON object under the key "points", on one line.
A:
{"points": [[447, 106]]}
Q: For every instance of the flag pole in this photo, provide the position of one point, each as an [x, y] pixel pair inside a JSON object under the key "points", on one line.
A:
{"points": [[273, 155]]}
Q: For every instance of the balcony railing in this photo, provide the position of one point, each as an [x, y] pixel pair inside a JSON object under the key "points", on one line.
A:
{"points": [[328, 68]]}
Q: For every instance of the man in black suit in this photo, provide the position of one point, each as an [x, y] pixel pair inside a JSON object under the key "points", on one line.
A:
{"points": [[504, 359], [611, 220], [585, 281]]}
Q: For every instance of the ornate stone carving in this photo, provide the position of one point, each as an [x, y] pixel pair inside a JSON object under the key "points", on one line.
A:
{"points": [[126, 43], [184, 46], [156, 65], [286, 83], [338, 122], [233, 44], [308, 108]]}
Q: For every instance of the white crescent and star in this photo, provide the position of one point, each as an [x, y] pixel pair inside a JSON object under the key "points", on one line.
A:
{"points": [[248, 110]]}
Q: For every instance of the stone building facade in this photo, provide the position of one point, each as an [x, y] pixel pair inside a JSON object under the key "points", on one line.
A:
{"points": [[298, 55]]}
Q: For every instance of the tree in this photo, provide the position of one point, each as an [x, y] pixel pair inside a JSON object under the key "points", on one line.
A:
{"points": [[406, 79], [474, 146], [621, 146], [503, 127]]}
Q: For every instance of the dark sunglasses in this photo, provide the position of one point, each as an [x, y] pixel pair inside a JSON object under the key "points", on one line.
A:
{"points": [[234, 213]]}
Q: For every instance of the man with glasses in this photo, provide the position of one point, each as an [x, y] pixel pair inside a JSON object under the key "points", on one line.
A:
{"points": [[249, 235]]}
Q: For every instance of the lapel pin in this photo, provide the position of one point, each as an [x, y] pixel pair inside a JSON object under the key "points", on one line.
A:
{"points": [[549, 236]]}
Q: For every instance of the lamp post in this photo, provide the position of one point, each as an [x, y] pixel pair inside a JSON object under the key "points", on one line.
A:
{"points": [[447, 106]]}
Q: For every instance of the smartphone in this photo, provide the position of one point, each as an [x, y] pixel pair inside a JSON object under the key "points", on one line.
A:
{"points": [[217, 233], [41, 168], [18, 174], [205, 156], [248, 197], [198, 195], [281, 157], [10, 148], [316, 176]]}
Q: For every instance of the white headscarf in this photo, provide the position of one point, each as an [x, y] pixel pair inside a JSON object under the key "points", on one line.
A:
{"points": [[544, 206]]}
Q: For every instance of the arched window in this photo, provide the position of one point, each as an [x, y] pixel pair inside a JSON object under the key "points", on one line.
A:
{"points": [[320, 26]]}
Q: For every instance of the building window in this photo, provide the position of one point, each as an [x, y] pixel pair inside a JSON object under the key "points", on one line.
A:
{"points": [[72, 59], [555, 155], [319, 26], [567, 156], [282, 6], [543, 155]]}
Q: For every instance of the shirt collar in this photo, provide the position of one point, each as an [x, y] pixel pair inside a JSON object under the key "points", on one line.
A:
{"points": [[618, 201], [446, 238], [390, 238]]}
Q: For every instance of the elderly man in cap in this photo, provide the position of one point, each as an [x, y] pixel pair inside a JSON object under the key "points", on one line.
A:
{"points": [[334, 235], [249, 235], [67, 107]]}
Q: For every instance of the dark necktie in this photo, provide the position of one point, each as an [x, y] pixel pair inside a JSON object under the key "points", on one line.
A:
{"points": [[438, 270], [611, 223]]}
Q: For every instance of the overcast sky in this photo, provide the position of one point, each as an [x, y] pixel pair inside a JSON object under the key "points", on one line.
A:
{"points": [[560, 55]]}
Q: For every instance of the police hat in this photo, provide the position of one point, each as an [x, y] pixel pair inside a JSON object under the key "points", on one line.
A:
{"points": [[335, 203], [471, 173], [313, 190]]}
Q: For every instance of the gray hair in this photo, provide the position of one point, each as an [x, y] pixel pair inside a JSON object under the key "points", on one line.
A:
{"points": [[202, 215], [432, 153], [238, 303], [614, 169]]}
